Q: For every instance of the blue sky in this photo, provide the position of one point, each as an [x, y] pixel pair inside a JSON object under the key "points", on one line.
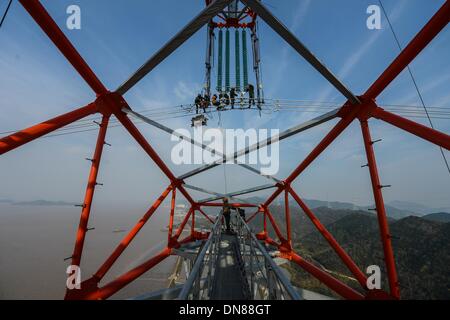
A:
{"points": [[36, 83]]}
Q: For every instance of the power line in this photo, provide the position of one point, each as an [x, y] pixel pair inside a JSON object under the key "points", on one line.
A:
{"points": [[271, 106], [6, 12], [415, 83], [407, 111]]}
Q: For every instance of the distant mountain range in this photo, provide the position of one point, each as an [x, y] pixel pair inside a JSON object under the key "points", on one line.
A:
{"points": [[421, 247], [438, 217], [395, 209], [417, 208]]}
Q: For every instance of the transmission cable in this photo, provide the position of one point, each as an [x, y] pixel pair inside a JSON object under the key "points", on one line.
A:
{"points": [[6, 13], [414, 82]]}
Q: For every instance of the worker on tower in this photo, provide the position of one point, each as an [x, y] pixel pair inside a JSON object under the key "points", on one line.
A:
{"points": [[206, 102], [242, 98], [215, 101], [226, 98], [251, 95], [227, 215], [222, 102], [198, 103], [233, 96]]}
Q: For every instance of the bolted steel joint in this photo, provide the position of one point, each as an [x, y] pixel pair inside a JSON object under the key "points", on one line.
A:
{"points": [[110, 103]]}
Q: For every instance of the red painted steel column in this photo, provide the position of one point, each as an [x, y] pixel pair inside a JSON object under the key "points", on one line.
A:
{"points": [[90, 190], [131, 235], [172, 213], [339, 287], [424, 132], [288, 217], [183, 224], [18, 139], [116, 285], [351, 265], [381, 212], [420, 41], [275, 226], [49, 26]]}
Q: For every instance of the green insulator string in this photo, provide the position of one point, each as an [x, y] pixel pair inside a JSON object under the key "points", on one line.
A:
{"points": [[238, 62], [244, 57], [219, 62], [227, 61]]}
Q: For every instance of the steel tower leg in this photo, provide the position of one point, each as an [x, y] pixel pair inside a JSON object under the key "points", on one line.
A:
{"points": [[172, 214], [351, 265], [101, 272], [381, 212], [288, 217], [92, 183]]}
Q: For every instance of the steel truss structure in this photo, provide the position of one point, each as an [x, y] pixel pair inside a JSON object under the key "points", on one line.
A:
{"points": [[111, 103]]}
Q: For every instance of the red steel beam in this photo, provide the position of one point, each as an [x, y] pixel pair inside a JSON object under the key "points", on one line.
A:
{"points": [[334, 284], [424, 132], [351, 265], [420, 41], [49, 26], [288, 217], [122, 281], [381, 212], [172, 213], [131, 235], [20, 138], [90, 190], [275, 226], [183, 224]]}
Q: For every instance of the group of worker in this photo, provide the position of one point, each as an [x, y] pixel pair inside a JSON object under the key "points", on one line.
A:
{"points": [[225, 99]]}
